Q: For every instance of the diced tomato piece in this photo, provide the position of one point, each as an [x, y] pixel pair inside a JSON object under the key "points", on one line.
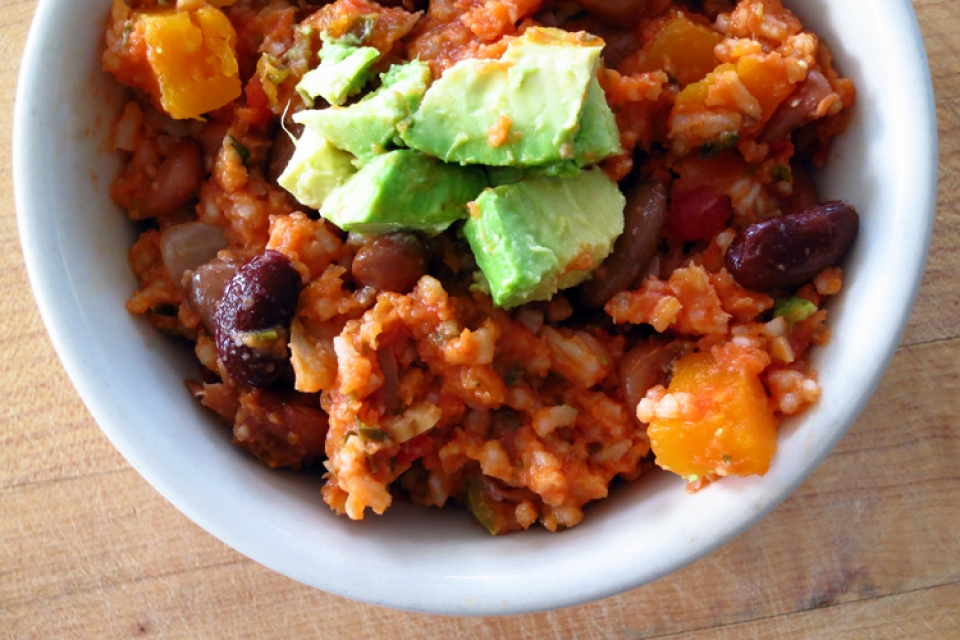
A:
{"points": [[697, 214]]}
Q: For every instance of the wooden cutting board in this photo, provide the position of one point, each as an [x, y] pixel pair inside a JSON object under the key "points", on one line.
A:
{"points": [[868, 547]]}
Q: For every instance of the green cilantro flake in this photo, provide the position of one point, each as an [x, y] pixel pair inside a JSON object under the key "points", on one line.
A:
{"points": [[794, 309], [241, 150]]}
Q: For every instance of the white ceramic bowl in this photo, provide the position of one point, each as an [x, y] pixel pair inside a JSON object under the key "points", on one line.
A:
{"points": [[131, 378]]}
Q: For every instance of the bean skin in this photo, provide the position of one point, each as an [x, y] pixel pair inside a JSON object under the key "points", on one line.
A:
{"points": [[283, 149], [205, 290], [788, 251], [645, 366], [616, 12], [391, 262], [799, 108], [253, 319], [804, 194], [644, 217], [176, 183], [295, 439]]}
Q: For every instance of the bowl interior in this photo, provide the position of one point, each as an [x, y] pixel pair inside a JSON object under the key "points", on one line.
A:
{"points": [[131, 378]]}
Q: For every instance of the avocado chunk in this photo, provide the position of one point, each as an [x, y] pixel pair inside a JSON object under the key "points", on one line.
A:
{"points": [[315, 169], [403, 189], [541, 234], [369, 127], [343, 71], [523, 110], [599, 135]]}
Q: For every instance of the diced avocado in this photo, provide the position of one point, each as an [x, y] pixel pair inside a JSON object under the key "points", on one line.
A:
{"points": [[403, 189], [315, 169], [599, 135], [369, 127], [522, 110], [542, 234], [343, 71]]}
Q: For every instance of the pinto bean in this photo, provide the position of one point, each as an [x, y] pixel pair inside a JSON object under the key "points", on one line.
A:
{"points": [[618, 12], [643, 221], [253, 319], [391, 262], [283, 149], [645, 366], [799, 108], [788, 251], [176, 183], [205, 290], [211, 138]]}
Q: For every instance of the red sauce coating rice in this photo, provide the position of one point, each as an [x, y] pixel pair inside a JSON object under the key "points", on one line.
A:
{"points": [[422, 388]]}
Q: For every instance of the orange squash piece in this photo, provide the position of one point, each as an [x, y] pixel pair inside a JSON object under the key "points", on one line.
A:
{"points": [[684, 48], [726, 426], [192, 56], [765, 77]]}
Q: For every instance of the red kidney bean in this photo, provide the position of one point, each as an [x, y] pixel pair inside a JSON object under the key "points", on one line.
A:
{"points": [[176, 183], [799, 108], [643, 219], [253, 319], [282, 428], [617, 12], [391, 262], [788, 251], [647, 365], [205, 290]]}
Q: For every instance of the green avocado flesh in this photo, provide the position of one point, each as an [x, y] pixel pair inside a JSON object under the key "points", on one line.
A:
{"points": [[343, 71], [523, 110], [369, 127], [403, 189], [541, 234], [509, 145], [315, 169]]}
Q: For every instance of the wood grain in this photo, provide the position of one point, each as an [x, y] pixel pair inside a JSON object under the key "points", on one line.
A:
{"points": [[868, 547]]}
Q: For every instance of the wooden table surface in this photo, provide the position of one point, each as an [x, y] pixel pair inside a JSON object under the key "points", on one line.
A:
{"points": [[868, 547]]}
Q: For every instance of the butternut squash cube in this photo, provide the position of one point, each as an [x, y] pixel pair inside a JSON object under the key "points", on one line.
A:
{"points": [[192, 56], [723, 424]]}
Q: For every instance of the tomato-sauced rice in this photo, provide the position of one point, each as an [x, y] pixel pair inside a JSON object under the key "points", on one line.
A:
{"points": [[433, 394]]}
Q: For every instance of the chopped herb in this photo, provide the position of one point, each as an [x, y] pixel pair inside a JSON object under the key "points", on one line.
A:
{"points": [[693, 478], [348, 435], [241, 150], [373, 434], [277, 75], [794, 309], [726, 458], [258, 339], [125, 37], [360, 30], [372, 463], [781, 173], [481, 506], [713, 149]]}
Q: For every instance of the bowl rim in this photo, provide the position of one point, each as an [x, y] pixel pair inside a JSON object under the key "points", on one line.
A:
{"points": [[46, 274]]}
